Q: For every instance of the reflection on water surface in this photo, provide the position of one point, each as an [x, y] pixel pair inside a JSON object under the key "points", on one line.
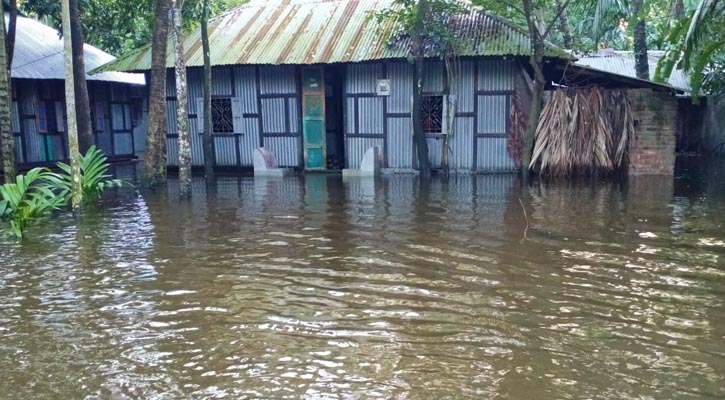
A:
{"points": [[313, 287]]}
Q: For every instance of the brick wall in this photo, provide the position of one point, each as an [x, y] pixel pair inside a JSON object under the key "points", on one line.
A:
{"points": [[652, 150]]}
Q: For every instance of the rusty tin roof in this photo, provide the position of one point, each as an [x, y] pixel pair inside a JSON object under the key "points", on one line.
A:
{"points": [[325, 31]]}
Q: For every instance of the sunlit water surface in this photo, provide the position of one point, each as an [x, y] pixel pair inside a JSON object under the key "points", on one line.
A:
{"points": [[318, 288]]}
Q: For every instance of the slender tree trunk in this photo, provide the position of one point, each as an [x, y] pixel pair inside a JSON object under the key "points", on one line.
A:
{"points": [[641, 64], [182, 117], [154, 172], [207, 137], [451, 67], [419, 138], [564, 22], [7, 140], [70, 101], [537, 61], [83, 105], [12, 29]]}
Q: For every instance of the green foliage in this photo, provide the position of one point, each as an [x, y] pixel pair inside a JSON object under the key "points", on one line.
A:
{"points": [[696, 44], [28, 199], [94, 176], [40, 191], [434, 22], [117, 26]]}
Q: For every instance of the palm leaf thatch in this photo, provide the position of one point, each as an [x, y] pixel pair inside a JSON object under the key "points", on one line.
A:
{"points": [[583, 131]]}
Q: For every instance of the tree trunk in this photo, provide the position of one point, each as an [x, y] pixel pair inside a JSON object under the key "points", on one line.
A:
{"points": [[419, 138], [207, 137], [83, 106], [564, 22], [7, 140], [70, 101], [182, 117], [641, 64], [451, 73], [537, 61], [12, 29], [154, 172]]}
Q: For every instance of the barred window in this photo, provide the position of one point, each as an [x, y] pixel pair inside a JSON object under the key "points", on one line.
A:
{"points": [[432, 114], [221, 115]]}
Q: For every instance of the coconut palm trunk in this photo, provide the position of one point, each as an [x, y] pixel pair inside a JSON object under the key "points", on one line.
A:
{"points": [[207, 139], [182, 117], [641, 64], [564, 23], [83, 105], [536, 60], [70, 101], [7, 140], [154, 171], [419, 139]]}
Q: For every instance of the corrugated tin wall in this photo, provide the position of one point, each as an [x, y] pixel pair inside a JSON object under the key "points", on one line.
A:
{"points": [[482, 92], [495, 84]]}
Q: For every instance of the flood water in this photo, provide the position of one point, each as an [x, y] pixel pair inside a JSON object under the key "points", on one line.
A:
{"points": [[318, 288]]}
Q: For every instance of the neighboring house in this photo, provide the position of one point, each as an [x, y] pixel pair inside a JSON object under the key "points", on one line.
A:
{"points": [[317, 83], [622, 63], [38, 109]]}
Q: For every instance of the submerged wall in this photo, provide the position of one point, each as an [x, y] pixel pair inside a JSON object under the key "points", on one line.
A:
{"points": [[652, 150]]}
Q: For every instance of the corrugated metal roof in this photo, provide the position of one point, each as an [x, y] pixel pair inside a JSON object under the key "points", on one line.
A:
{"points": [[622, 63], [39, 55], [326, 31]]}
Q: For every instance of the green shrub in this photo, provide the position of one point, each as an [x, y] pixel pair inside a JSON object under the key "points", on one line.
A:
{"points": [[28, 199], [94, 176]]}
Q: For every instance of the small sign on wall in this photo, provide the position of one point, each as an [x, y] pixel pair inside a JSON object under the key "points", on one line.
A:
{"points": [[383, 87]]}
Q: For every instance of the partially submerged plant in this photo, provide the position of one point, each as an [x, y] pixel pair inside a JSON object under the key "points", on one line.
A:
{"points": [[41, 191], [28, 199], [94, 175]]}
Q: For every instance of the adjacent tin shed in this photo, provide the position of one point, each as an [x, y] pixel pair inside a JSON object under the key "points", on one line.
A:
{"points": [[38, 108]]}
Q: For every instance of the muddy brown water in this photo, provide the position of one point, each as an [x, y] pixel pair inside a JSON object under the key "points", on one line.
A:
{"points": [[318, 288]]}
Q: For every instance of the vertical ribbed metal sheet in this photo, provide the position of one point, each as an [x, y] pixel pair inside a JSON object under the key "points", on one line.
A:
{"points": [[493, 114], [495, 75], [493, 155], [226, 152], [278, 79], [19, 155], [435, 151], [221, 82], [434, 77], [400, 143], [285, 149], [465, 86], [350, 115], [363, 78], [33, 142], [245, 80], [356, 147], [249, 140], [401, 87], [461, 152], [294, 115], [371, 115], [170, 83], [273, 115], [172, 151], [15, 120], [195, 88], [197, 145], [171, 117]]}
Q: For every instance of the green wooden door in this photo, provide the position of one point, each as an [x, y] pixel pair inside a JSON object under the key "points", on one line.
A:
{"points": [[313, 117]]}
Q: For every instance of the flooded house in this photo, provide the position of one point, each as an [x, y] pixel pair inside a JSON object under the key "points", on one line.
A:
{"points": [[318, 82], [38, 99]]}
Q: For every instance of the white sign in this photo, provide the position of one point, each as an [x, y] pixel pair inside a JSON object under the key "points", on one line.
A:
{"points": [[383, 87]]}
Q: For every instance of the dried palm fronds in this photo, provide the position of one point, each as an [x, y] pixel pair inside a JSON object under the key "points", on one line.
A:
{"points": [[583, 131]]}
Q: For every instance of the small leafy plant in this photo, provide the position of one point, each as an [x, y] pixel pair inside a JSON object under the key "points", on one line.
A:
{"points": [[94, 176], [28, 199]]}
